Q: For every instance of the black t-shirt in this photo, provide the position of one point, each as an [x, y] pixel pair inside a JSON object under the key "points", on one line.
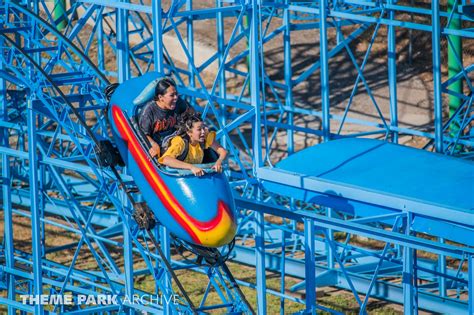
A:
{"points": [[159, 123]]}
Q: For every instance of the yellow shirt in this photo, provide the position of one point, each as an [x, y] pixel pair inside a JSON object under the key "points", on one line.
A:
{"points": [[195, 152]]}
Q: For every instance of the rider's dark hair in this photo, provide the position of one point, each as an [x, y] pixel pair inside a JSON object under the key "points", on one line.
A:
{"points": [[186, 121], [162, 86]]}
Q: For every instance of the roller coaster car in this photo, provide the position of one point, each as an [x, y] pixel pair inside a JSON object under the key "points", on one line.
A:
{"points": [[198, 210]]}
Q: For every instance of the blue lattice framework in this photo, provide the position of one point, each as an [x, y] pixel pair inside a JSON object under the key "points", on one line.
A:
{"points": [[52, 88]]}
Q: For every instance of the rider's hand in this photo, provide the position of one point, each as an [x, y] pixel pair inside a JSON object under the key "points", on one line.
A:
{"points": [[197, 170], [218, 166], [154, 150]]}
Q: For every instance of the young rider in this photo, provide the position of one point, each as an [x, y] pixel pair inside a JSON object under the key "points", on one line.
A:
{"points": [[188, 146]]}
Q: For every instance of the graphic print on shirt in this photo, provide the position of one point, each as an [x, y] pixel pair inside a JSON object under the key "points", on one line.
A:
{"points": [[165, 123]]}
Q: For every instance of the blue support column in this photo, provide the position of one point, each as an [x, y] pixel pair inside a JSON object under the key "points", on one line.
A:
{"points": [[392, 75], [33, 5], [407, 280], [41, 199], [442, 269], [165, 242], [34, 208], [255, 82], [330, 254], [6, 191], [323, 47], [436, 47], [122, 45], [33, 182], [260, 260], [415, 281], [100, 44], [123, 66], [339, 37], [164, 237], [190, 31], [221, 79], [282, 269], [254, 51], [310, 269], [157, 36], [41, 168], [471, 283], [288, 74], [128, 263]]}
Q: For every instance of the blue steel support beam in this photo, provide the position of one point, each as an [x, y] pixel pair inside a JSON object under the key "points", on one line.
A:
{"points": [[190, 31], [35, 211], [323, 51], [121, 26], [438, 101], [128, 261], [165, 242], [282, 271], [123, 66], [288, 74], [442, 269], [400, 23], [338, 22], [157, 21], [408, 273], [158, 47], [392, 75], [42, 200], [260, 261], [255, 98], [6, 191], [100, 43], [255, 63], [310, 271], [221, 63], [471, 283], [41, 168], [331, 263], [33, 181]]}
